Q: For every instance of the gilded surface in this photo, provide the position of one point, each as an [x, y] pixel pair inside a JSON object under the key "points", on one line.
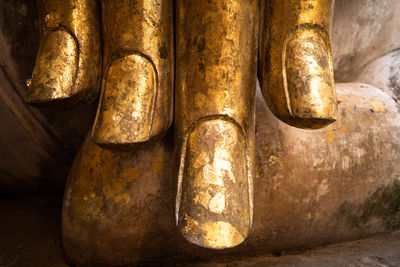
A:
{"points": [[299, 188], [107, 193], [296, 70], [56, 66], [216, 63], [68, 66], [117, 121], [215, 205], [215, 85], [137, 88]]}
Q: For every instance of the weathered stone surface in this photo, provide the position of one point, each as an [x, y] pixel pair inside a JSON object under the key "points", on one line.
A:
{"points": [[332, 184], [383, 73], [362, 31], [37, 145], [30, 236], [312, 188]]}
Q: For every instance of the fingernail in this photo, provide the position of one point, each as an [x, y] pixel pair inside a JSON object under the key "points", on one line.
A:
{"points": [[127, 103], [214, 207], [55, 69], [309, 82]]}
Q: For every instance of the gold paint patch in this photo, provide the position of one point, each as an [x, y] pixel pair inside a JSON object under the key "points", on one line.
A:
{"points": [[55, 69], [378, 106], [122, 199], [192, 226], [330, 135], [127, 103], [130, 174], [158, 163], [203, 198], [220, 234], [215, 186], [217, 203]]}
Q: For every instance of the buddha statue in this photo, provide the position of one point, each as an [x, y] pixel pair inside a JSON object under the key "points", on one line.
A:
{"points": [[193, 65]]}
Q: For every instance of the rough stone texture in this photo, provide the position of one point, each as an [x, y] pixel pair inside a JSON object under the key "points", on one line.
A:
{"points": [[30, 232], [378, 251], [332, 184], [37, 145], [362, 31], [312, 188], [383, 73], [30, 236]]}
